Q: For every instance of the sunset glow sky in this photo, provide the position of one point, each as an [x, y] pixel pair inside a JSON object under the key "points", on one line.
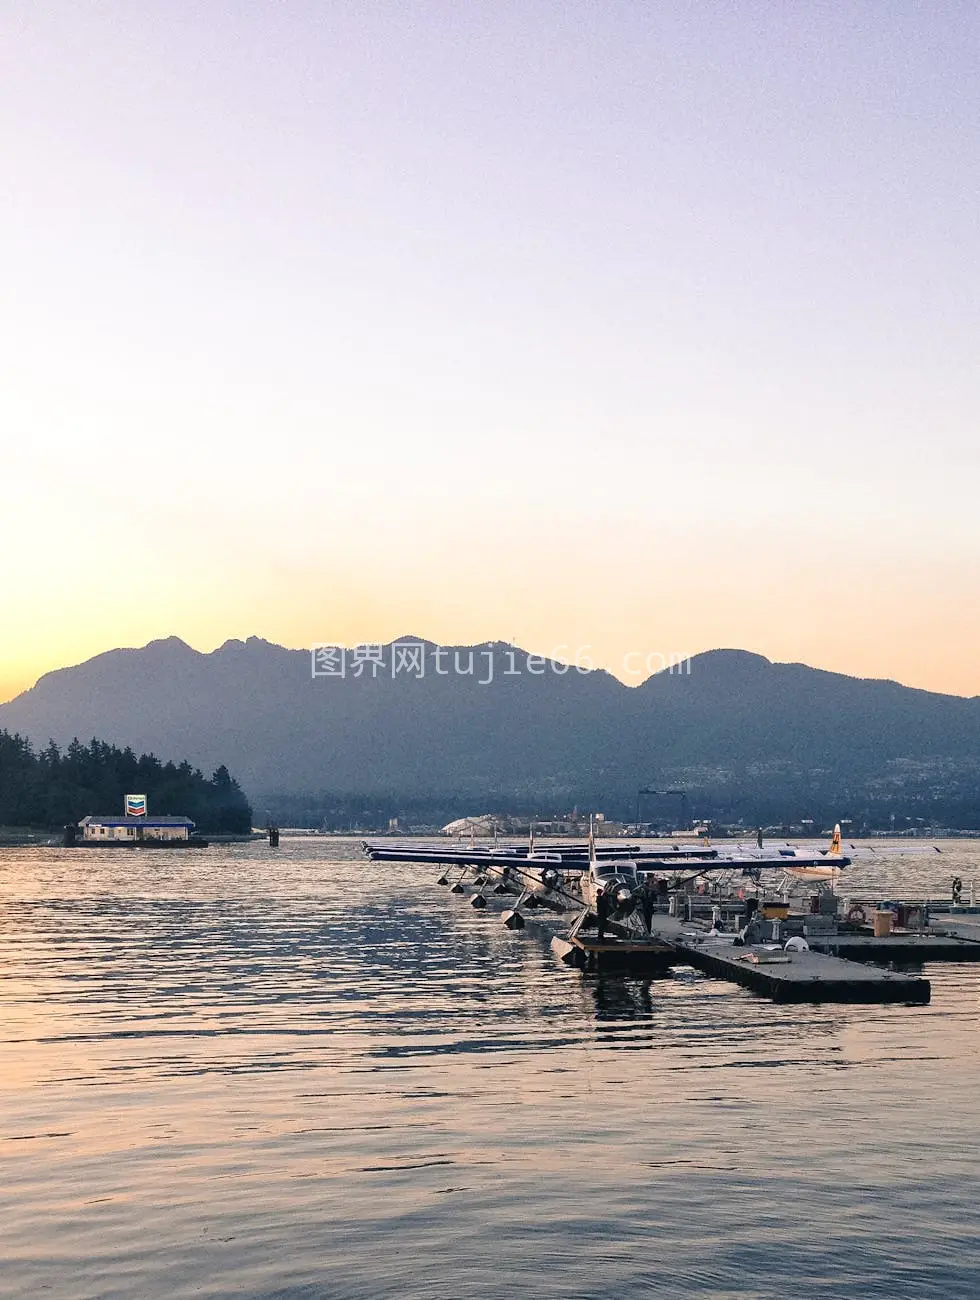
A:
{"points": [[641, 327]]}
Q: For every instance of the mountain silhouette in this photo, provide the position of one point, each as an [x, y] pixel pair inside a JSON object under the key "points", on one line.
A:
{"points": [[740, 733]]}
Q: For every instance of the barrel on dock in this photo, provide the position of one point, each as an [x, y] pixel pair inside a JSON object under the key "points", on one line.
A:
{"points": [[882, 922]]}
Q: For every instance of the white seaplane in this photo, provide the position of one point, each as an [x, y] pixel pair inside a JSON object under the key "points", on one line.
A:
{"points": [[821, 865]]}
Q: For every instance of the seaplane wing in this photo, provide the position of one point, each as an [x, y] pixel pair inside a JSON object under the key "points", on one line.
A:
{"points": [[802, 867], [570, 856], [892, 850], [780, 861]]}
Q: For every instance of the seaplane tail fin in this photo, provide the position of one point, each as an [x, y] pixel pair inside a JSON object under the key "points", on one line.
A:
{"points": [[835, 841]]}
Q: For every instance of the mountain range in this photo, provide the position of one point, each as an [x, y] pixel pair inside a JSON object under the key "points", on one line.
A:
{"points": [[740, 734]]}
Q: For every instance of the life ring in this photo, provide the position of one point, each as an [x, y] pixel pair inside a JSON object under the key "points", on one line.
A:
{"points": [[857, 915]]}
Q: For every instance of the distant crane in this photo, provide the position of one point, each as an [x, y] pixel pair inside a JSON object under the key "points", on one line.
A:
{"points": [[680, 795]]}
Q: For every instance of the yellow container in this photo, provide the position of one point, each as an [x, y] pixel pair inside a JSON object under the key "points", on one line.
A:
{"points": [[883, 923]]}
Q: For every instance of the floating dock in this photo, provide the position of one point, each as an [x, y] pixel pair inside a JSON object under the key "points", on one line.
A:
{"points": [[646, 955], [907, 948], [960, 926], [809, 976]]}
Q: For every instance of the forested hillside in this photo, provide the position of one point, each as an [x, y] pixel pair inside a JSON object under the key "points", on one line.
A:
{"points": [[51, 788]]}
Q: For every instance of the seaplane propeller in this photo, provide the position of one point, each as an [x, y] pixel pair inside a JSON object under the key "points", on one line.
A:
{"points": [[551, 877], [622, 897]]}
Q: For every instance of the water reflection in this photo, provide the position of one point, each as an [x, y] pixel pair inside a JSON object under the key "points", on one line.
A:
{"points": [[302, 1074]]}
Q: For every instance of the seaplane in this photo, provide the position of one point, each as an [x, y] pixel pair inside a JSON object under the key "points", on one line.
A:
{"points": [[797, 861], [538, 875], [610, 890], [607, 889], [550, 877], [570, 855], [810, 863]]}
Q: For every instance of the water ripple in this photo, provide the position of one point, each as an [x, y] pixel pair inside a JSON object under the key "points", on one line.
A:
{"points": [[297, 1074]]}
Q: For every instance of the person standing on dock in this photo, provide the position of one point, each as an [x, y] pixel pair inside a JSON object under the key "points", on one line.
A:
{"points": [[648, 902], [602, 914]]}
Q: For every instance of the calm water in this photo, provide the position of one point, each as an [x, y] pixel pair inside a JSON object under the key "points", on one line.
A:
{"points": [[246, 1073]]}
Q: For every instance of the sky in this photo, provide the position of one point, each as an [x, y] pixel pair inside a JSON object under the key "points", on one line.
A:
{"points": [[619, 330]]}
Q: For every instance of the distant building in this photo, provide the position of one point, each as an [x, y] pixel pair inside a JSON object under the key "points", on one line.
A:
{"points": [[134, 829], [483, 825]]}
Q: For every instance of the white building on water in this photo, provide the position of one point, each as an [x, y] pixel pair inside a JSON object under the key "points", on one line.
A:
{"points": [[132, 830]]}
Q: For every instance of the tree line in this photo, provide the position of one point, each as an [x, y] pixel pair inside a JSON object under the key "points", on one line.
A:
{"points": [[50, 788]]}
